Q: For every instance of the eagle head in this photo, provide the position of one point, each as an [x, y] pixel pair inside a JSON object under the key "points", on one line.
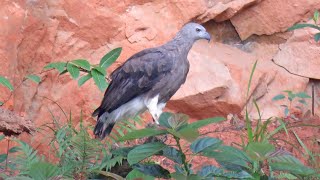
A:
{"points": [[195, 32]]}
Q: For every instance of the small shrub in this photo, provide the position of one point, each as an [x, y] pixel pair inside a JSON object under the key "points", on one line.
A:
{"points": [[234, 163], [314, 26], [292, 98]]}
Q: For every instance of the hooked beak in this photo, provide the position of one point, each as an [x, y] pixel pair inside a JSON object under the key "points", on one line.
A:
{"points": [[207, 37]]}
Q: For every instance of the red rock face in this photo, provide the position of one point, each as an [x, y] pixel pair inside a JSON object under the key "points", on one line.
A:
{"points": [[272, 16], [34, 33]]}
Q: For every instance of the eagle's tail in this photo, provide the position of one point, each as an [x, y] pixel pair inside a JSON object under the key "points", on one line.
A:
{"points": [[96, 112], [104, 126]]}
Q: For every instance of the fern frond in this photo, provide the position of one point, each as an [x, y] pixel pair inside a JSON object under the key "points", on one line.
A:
{"points": [[26, 158], [286, 176], [85, 149], [114, 161], [43, 170]]}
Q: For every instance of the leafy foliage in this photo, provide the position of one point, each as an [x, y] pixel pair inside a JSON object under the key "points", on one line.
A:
{"points": [[5, 82], [110, 58], [201, 144], [292, 98], [79, 156], [34, 78], [314, 26], [82, 67], [234, 163], [143, 151]]}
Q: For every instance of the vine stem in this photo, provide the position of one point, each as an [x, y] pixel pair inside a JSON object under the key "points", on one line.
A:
{"points": [[183, 156], [109, 174], [8, 145]]}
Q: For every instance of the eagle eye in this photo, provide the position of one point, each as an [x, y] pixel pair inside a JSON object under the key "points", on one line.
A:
{"points": [[198, 30]]}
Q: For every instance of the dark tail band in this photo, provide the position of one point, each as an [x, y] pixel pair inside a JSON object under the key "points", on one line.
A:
{"points": [[96, 112], [103, 126]]}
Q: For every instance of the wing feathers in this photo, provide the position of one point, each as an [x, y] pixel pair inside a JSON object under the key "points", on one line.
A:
{"points": [[135, 77]]}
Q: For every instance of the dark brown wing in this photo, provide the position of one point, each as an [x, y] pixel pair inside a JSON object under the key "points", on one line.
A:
{"points": [[135, 77]]}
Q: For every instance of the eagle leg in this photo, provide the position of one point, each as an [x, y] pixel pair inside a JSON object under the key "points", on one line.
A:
{"points": [[154, 108]]}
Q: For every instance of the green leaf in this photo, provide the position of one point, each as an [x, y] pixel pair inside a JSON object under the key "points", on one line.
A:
{"points": [[237, 175], [19, 178], [73, 70], [212, 171], [3, 157], [164, 118], [316, 16], [291, 95], [259, 150], [179, 176], [101, 70], [2, 137], [278, 97], [296, 169], [300, 26], [286, 176], [286, 162], [124, 151], [303, 95], [43, 170], [5, 82], [63, 72], [279, 128], [141, 133], [84, 79], [177, 121], [248, 122], [205, 122], [190, 134], [286, 111], [14, 149], [302, 101], [110, 58], [317, 37], [229, 157], [305, 147], [209, 171], [60, 66], [135, 174], [34, 78], [1, 103], [173, 154], [82, 63], [154, 170], [143, 151], [201, 144], [99, 79]]}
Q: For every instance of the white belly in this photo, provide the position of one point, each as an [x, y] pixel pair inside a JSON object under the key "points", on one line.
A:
{"points": [[128, 110], [136, 106]]}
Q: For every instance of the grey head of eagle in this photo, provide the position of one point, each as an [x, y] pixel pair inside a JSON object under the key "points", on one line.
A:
{"points": [[147, 80]]}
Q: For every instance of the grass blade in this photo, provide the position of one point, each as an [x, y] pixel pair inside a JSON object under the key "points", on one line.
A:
{"points": [[248, 122], [304, 147]]}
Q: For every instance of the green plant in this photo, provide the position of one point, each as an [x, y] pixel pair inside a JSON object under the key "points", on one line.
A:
{"points": [[6, 83], [314, 26], [95, 71], [234, 163], [259, 137], [292, 98], [77, 155]]}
